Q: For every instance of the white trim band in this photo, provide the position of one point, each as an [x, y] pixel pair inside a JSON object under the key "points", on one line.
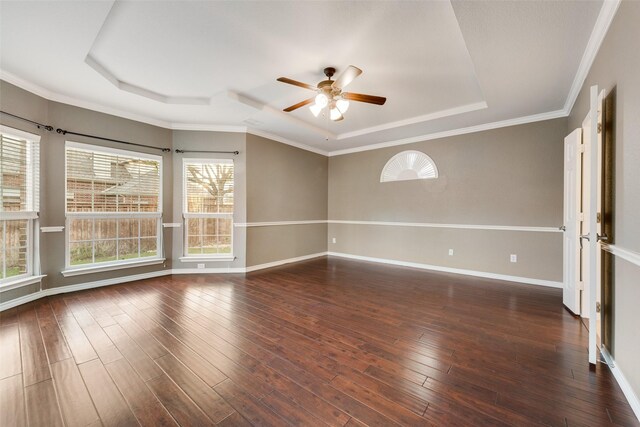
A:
{"points": [[625, 254], [279, 223], [461, 226], [403, 224], [52, 229]]}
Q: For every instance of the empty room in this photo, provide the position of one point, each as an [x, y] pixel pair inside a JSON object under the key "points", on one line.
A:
{"points": [[320, 213]]}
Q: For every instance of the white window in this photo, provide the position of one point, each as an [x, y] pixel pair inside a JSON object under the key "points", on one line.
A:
{"points": [[113, 206], [19, 196], [409, 165], [208, 208]]}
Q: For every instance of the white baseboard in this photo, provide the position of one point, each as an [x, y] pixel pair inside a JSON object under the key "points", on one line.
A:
{"points": [[123, 279], [212, 270], [631, 396], [527, 280], [79, 287], [284, 261], [227, 270]]}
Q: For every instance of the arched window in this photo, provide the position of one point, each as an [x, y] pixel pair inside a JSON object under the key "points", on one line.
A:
{"points": [[408, 165]]}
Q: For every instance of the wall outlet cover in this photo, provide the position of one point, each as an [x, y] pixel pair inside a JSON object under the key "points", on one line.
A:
{"points": [[513, 258], [333, 240], [450, 251], [200, 265]]}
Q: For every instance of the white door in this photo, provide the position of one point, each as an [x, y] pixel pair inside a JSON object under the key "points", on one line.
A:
{"points": [[592, 225], [572, 200]]}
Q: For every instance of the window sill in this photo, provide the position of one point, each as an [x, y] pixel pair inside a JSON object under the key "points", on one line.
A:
{"points": [[113, 266], [205, 259], [18, 283]]}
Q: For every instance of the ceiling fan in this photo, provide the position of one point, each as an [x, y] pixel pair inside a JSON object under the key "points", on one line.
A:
{"points": [[330, 94]]}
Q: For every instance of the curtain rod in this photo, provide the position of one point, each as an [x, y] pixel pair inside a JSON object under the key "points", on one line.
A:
{"points": [[206, 151], [68, 132], [38, 125]]}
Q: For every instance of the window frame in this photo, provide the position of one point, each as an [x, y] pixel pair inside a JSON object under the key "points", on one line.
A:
{"points": [[32, 273], [186, 256], [71, 270]]}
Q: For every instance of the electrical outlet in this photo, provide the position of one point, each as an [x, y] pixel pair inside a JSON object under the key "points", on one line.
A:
{"points": [[200, 265], [451, 252], [513, 258], [333, 240]]}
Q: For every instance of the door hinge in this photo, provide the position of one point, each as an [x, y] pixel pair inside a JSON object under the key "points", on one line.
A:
{"points": [[581, 216], [580, 285], [598, 217], [581, 148], [599, 127], [598, 307]]}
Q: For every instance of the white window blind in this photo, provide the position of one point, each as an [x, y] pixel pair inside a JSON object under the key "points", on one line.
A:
{"points": [[113, 205], [208, 207], [19, 196]]}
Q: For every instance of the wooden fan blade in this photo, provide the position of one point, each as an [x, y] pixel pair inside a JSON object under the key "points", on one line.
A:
{"points": [[347, 77], [359, 97], [299, 104], [296, 83]]}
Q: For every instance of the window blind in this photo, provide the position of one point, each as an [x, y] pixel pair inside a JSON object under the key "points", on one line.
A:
{"points": [[19, 202], [208, 207], [113, 203]]}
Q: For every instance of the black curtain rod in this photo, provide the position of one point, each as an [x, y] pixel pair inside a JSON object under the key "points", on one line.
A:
{"points": [[68, 132], [207, 151], [38, 125]]}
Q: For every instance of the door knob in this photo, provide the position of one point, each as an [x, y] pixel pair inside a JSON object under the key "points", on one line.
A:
{"points": [[562, 228]]}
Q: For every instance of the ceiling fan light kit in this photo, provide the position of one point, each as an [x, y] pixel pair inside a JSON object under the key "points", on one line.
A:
{"points": [[329, 93]]}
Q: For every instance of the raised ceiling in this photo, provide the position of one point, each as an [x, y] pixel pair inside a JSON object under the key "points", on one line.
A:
{"points": [[213, 65]]}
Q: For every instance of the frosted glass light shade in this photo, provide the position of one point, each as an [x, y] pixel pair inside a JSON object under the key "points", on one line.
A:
{"points": [[343, 105], [322, 100], [315, 110], [409, 165]]}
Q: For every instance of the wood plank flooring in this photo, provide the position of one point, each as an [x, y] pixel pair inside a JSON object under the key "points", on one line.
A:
{"points": [[327, 342]]}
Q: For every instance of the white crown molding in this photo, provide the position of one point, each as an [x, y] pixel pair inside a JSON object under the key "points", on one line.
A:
{"points": [[286, 141], [603, 22], [208, 128], [624, 384], [625, 254], [454, 132], [140, 91], [518, 279], [63, 99], [600, 28], [413, 120]]}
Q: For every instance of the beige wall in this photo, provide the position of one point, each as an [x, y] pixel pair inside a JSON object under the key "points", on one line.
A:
{"points": [[509, 177], [284, 183], [617, 66], [211, 141], [52, 174]]}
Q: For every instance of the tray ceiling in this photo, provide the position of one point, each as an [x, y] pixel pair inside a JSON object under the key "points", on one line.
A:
{"points": [[442, 65]]}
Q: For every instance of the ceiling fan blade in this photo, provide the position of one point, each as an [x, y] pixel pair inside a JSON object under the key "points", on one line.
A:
{"points": [[359, 97], [299, 104], [347, 77], [297, 83]]}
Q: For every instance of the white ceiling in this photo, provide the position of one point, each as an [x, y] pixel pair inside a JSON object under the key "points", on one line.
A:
{"points": [[442, 65]]}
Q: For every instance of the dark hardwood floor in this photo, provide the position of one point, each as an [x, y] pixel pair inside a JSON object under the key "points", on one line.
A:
{"points": [[324, 342]]}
